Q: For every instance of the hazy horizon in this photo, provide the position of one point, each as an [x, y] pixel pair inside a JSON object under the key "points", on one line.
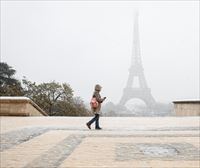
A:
{"points": [[84, 43]]}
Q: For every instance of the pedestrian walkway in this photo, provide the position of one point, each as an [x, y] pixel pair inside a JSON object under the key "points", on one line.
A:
{"points": [[66, 142]]}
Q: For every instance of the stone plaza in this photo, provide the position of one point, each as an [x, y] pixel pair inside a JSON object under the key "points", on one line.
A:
{"points": [[124, 142]]}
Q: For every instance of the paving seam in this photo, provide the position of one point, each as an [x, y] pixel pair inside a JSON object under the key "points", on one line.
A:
{"points": [[13, 138], [57, 154]]}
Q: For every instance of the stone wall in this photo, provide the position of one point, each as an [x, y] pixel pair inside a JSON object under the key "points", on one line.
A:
{"points": [[19, 106], [187, 108]]}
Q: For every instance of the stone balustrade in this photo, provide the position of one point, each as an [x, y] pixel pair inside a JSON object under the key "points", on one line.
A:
{"points": [[19, 106], [187, 108]]}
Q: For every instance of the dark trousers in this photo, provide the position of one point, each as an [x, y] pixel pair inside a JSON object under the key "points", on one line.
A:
{"points": [[96, 120]]}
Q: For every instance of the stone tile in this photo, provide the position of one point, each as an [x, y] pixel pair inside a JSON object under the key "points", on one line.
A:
{"points": [[106, 152], [24, 153], [108, 123], [55, 155], [46, 142]]}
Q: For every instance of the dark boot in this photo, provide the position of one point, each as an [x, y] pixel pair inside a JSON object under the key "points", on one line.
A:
{"points": [[88, 125]]}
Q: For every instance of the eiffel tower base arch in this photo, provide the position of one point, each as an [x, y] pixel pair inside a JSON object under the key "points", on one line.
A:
{"points": [[142, 94]]}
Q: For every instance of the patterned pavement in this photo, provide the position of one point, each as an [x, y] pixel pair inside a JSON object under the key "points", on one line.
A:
{"points": [[50, 142]]}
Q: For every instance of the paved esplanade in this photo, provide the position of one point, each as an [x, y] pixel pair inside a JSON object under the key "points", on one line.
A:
{"points": [[124, 142]]}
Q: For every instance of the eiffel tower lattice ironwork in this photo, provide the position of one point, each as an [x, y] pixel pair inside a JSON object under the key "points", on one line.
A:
{"points": [[136, 70]]}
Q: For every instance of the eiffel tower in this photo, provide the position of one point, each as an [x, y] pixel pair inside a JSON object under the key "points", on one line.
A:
{"points": [[136, 70]]}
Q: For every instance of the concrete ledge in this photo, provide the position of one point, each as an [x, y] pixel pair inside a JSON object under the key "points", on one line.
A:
{"points": [[187, 108], [19, 106]]}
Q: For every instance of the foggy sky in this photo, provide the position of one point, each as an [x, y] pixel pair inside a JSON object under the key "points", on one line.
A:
{"points": [[84, 43]]}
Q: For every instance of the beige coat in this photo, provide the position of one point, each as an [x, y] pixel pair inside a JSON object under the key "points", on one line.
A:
{"points": [[99, 100]]}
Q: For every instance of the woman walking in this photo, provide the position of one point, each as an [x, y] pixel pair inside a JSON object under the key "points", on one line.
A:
{"points": [[96, 108]]}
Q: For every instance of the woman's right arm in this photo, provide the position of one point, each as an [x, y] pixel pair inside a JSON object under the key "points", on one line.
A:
{"points": [[98, 97]]}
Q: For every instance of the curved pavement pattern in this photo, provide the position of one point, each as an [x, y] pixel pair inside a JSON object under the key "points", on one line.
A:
{"points": [[65, 142]]}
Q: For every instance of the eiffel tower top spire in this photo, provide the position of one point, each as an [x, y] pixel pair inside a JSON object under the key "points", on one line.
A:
{"points": [[136, 55]]}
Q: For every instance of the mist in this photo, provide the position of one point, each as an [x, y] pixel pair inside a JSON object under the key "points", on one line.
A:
{"points": [[85, 43]]}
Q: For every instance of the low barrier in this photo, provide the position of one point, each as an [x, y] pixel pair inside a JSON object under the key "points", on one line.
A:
{"points": [[187, 108], [19, 106]]}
